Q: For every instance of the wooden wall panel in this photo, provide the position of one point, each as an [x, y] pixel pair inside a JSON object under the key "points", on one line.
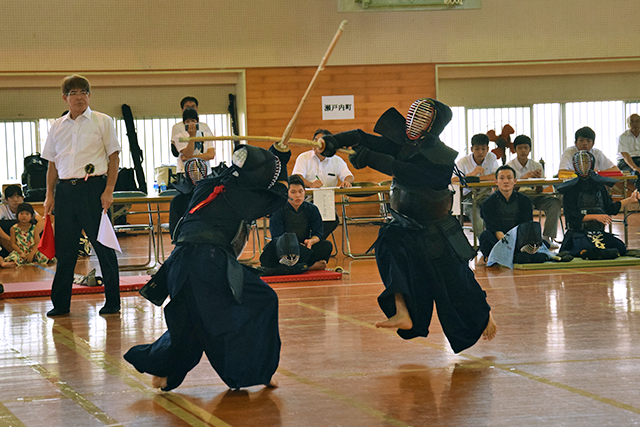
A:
{"points": [[273, 95]]}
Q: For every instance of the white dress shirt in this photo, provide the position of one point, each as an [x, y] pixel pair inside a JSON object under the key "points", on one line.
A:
{"points": [[530, 166], [179, 127], [331, 171], [206, 145], [602, 162], [628, 143], [73, 144], [467, 165]]}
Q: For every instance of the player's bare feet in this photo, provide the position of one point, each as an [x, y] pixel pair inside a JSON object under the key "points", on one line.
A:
{"points": [[158, 382], [272, 384], [491, 329], [400, 320], [319, 265], [7, 264]]}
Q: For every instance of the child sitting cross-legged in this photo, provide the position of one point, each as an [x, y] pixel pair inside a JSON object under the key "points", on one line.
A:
{"points": [[24, 239]]}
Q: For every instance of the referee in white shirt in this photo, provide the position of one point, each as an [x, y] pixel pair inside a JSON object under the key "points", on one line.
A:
{"points": [[318, 171], [83, 154]]}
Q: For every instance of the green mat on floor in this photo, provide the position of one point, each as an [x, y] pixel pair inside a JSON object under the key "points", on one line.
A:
{"points": [[580, 263]]}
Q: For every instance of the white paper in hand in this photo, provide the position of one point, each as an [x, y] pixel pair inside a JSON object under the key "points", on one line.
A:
{"points": [[106, 233]]}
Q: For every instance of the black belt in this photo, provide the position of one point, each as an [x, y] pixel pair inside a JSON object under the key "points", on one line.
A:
{"points": [[75, 181]]}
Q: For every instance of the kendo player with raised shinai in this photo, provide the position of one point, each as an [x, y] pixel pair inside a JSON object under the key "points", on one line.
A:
{"points": [[422, 254], [217, 305]]}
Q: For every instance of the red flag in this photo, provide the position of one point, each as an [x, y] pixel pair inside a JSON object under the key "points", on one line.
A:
{"points": [[47, 245]]}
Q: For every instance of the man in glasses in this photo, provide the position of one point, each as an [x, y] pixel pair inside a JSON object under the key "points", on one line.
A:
{"points": [[84, 155]]}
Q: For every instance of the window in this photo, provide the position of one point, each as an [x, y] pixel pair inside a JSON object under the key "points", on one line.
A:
{"points": [[607, 119], [18, 140], [154, 137], [551, 127], [21, 139]]}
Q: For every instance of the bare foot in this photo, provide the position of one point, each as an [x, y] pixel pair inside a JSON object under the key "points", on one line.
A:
{"points": [[272, 384], [402, 318], [319, 265], [7, 264], [490, 330], [158, 382], [399, 321]]}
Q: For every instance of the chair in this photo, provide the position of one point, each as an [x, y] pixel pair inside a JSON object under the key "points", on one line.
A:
{"points": [[256, 243], [369, 219], [384, 200], [123, 209]]}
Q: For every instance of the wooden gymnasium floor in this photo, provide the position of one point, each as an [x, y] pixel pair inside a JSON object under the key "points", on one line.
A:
{"points": [[567, 353]]}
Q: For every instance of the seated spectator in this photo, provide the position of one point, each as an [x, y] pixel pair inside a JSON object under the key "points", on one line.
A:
{"points": [[588, 208], [13, 198], [186, 102], [25, 239], [585, 139], [503, 210], [318, 171], [629, 147], [480, 163], [303, 219], [203, 150], [526, 168]]}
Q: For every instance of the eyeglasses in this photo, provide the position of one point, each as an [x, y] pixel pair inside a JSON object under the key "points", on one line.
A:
{"points": [[78, 93]]}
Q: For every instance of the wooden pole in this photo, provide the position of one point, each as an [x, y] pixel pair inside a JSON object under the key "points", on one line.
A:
{"points": [[286, 136], [292, 141]]}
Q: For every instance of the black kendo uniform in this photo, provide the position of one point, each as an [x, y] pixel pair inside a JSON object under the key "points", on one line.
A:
{"points": [[500, 214], [589, 195], [422, 253], [217, 305]]}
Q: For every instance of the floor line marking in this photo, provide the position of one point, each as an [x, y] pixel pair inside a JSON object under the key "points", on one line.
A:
{"points": [[538, 378], [8, 418], [67, 390], [504, 367], [191, 413], [185, 410]]}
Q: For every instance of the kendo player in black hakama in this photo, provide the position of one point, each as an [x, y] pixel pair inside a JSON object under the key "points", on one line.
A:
{"points": [[217, 305], [422, 254], [588, 207]]}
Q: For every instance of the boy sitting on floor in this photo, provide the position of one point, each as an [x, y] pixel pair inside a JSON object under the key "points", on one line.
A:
{"points": [[304, 220]]}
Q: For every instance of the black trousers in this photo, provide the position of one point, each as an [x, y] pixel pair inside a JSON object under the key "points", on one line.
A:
{"points": [[623, 166], [78, 207], [318, 252]]}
